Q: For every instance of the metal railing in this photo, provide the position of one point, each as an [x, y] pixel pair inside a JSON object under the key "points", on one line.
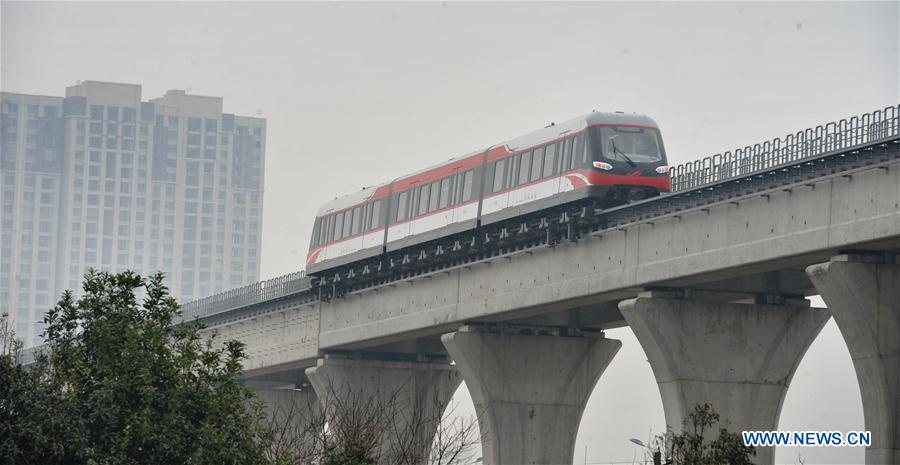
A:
{"points": [[787, 150], [784, 151], [250, 294]]}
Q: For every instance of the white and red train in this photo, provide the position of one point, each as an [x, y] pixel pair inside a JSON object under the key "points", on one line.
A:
{"points": [[612, 157]]}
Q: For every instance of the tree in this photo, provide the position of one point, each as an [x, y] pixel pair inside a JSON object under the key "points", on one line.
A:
{"points": [[694, 447], [359, 428], [119, 383]]}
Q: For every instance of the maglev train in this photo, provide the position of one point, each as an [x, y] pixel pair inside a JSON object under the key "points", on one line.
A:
{"points": [[611, 157]]}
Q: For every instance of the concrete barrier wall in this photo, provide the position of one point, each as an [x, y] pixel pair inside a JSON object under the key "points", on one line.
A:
{"points": [[283, 335]]}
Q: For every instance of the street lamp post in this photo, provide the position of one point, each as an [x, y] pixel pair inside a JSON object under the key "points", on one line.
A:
{"points": [[657, 455]]}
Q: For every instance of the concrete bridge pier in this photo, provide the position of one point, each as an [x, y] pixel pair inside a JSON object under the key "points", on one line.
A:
{"points": [[405, 400], [737, 357], [292, 411], [286, 401], [529, 391], [863, 294]]}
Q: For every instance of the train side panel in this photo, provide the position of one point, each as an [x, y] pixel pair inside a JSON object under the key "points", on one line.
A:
{"points": [[429, 222]]}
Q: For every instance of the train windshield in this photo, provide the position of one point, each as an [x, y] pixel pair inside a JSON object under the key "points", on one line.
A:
{"points": [[630, 144]]}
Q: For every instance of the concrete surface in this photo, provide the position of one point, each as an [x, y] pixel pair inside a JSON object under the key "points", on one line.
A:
{"points": [[293, 416], [865, 301], [529, 391], [409, 398], [738, 357]]}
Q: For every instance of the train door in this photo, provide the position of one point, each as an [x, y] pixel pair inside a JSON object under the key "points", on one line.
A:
{"points": [[419, 221], [467, 195], [573, 160], [354, 218], [400, 219], [520, 173], [496, 196]]}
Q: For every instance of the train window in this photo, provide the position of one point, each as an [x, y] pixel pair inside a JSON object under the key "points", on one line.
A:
{"points": [[433, 200], [347, 223], [420, 192], [402, 202], [537, 163], [423, 198], [365, 223], [357, 216], [577, 149], [549, 160], [376, 214], [585, 153], [498, 175], [564, 154], [509, 174], [444, 199], [414, 201], [331, 225], [467, 186], [453, 193], [338, 225], [524, 167], [315, 235]]}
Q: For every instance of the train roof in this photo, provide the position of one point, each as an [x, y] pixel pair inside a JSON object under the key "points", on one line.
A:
{"points": [[549, 133], [555, 131]]}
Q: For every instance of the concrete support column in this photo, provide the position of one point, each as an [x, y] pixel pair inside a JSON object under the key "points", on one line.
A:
{"points": [[291, 411], [737, 357], [864, 297], [529, 391], [410, 398]]}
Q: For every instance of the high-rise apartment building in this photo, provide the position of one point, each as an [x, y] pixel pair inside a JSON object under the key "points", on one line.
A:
{"points": [[100, 178]]}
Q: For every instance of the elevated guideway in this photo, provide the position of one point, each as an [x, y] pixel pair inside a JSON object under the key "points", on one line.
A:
{"points": [[721, 266], [739, 225]]}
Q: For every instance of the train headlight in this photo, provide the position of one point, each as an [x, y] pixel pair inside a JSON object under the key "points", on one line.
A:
{"points": [[602, 166], [662, 169]]}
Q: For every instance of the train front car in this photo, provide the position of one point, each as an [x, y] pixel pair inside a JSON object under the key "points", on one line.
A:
{"points": [[628, 159], [610, 158]]}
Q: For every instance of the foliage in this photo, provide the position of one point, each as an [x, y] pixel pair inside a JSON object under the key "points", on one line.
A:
{"points": [[365, 427], [121, 381], [118, 383], [694, 447]]}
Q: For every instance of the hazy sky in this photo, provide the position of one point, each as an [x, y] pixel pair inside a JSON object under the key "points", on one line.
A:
{"points": [[356, 94]]}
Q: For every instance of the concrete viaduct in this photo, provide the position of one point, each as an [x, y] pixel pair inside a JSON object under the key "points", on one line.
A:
{"points": [[714, 292]]}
